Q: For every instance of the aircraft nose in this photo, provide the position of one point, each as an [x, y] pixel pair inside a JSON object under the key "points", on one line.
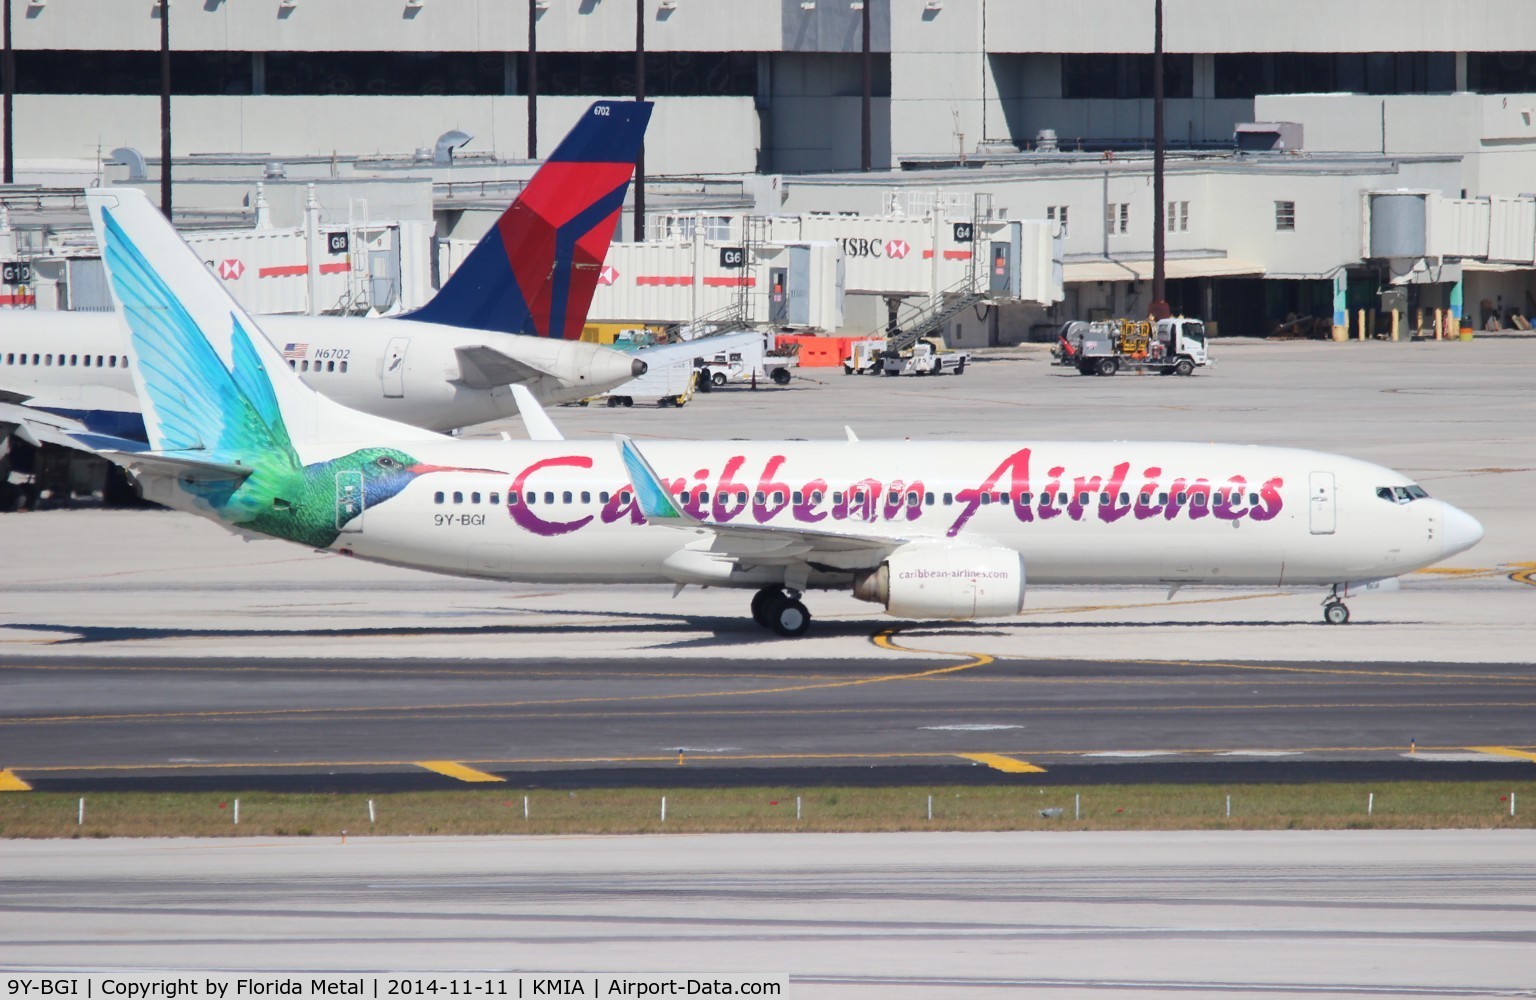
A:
{"points": [[1459, 530], [639, 368]]}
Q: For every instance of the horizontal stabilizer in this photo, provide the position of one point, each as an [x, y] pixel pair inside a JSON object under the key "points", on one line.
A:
{"points": [[540, 427], [483, 367]]}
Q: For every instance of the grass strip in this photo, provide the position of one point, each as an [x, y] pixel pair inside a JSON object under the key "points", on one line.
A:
{"points": [[1393, 805]]}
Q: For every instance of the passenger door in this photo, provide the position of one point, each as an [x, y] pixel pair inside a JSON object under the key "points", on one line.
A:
{"points": [[1320, 501]]}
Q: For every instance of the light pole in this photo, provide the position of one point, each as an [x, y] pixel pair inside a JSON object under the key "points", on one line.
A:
{"points": [[865, 153], [1159, 308], [8, 71], [165, 108], [640, 96], [533, 79]]}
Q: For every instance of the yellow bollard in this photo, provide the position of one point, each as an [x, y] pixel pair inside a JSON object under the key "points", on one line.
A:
{"points": [[1396, 317], [1439, 324], [1361, 314]]}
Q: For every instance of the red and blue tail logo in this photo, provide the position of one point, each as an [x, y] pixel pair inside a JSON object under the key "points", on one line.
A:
{"points": [[535, 272]]}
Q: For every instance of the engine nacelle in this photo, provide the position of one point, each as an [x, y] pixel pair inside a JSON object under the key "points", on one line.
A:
{"points": [[946, 581]]}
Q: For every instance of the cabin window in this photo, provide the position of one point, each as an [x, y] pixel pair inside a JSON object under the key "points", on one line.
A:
{"points": [[928, 499], [87, 361], [816, 496], [566, 497], [549, 496], [458, 497], [759, 498], [778, 496], [625, 496], [1198, 499], [47, 360], [437, 497], [74, 360], [797, 497], [112, 361], [343, 367], [10, 359], [37, 359], [1083, 498], [1125, 498], [986, 499], [98, 361], [1162, 498], [330, 366], [703, 496], [1024, 498], [495, 500], [514, 499], [1253, 499], [304, 366], [949, 498], [23, 359], [1104, 500], [586, 496], [1182, 498], [837, 499], [604, 496], [913, 499], [474, 497]]}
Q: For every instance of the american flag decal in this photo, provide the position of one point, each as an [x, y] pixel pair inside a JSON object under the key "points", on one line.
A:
{"points": [[295, 350]]}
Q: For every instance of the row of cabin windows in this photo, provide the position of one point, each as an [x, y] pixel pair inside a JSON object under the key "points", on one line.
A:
{"points": [[329, 366], [910, 499], [66, 360]]}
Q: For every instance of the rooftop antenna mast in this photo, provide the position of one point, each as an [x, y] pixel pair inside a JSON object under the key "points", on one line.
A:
{"points": [[1160, 308]]}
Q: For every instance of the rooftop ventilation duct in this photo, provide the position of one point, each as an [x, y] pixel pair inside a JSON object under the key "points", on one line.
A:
{"points": [[133, 160], [442, 154]]}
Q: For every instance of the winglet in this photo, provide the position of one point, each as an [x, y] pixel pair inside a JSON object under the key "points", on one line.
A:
{"points": [[540, 427], [852, 437], [656, 501]]}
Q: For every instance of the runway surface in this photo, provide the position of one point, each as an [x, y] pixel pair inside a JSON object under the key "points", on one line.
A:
{"points": [[81, 723], [1346, 914]]}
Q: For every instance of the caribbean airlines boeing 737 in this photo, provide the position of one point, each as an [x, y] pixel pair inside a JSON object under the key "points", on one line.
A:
{"points": [[940, 531], [510, 315]]}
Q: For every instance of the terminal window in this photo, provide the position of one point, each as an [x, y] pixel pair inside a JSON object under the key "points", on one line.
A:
{"points": [[1285, 216]]}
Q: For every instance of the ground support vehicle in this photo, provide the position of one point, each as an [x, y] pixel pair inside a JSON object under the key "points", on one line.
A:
{"points": [[1174, 346], [865, 357], [747, 366], [925, 359], [665, 385]]}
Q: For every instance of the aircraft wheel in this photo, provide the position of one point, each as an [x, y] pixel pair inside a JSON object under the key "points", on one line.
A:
{"points": [[629, 401], [762, 601], [1335, 613], [788, 617], [1184, 366], [613, 401]]}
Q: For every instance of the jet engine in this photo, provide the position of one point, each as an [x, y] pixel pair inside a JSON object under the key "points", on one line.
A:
{"points": [[946, 581]]}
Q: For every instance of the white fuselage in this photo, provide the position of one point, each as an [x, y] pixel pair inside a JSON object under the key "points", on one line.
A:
{"points": [[397, 368], [1078, 513]]}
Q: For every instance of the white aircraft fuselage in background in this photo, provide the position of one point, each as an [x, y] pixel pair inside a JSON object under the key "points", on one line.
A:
{"points": [[402, 369]]}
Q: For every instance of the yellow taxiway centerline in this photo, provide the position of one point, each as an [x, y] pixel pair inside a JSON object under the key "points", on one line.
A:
{"points": [[998, 762], [1506, 752], [454, 769], [10, 783]]}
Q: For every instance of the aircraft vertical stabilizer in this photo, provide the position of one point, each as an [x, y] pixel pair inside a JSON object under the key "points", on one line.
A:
{"points": [[536, 270]]}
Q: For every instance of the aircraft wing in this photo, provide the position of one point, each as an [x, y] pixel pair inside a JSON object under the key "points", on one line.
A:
{"points": [[753, 543], [482, 367], [38, 427]]}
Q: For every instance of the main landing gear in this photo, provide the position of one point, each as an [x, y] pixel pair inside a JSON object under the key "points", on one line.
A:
{"points": [[780, 610], [1334, 611]]}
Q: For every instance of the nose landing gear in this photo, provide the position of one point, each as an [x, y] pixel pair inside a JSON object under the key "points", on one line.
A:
{"points": [[781, 611], [1334, 610]]}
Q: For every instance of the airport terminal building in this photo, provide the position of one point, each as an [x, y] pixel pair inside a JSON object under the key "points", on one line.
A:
{"points": [[1321, 154]]}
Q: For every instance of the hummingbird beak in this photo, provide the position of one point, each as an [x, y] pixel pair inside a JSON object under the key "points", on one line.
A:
{"points": [[422, 468]]}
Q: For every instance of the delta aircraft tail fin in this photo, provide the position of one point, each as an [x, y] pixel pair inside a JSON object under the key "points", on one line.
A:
{"points": [[536, 270]]}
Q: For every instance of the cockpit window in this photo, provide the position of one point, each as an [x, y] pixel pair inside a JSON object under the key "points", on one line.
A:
{"points": [[1402, 494]]}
